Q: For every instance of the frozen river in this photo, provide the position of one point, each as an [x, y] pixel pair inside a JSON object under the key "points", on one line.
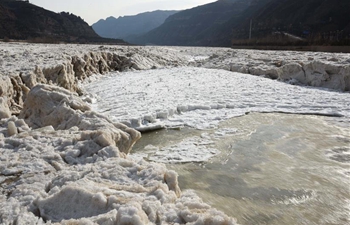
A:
{"points": [[259, 150], [275, 169], [259, 168]]}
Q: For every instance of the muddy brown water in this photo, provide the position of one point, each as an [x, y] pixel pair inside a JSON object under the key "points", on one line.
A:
{"points": [[276, 169]]}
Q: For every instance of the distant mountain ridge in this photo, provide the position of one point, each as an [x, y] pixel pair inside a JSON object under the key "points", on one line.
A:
{"points": [[193, 26], [21, 20], [312, 19], [126, 26], [223, 22]]}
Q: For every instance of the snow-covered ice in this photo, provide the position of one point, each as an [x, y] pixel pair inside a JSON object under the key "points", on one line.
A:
{"points": [[201, 98]]}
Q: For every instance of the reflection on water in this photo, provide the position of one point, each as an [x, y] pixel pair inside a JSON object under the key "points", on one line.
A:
{"points": [[276, 169]]}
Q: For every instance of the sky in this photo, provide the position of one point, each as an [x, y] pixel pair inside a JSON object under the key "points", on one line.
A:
{"points": [[93, 10]]}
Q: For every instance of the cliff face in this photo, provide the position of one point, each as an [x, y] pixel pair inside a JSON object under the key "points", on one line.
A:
{"points": [[124, 27], [24, 21]]}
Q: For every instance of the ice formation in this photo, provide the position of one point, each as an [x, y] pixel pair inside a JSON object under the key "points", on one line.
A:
{"points": [[318, 69], [71, 167], [200, 98], [62, 163]]}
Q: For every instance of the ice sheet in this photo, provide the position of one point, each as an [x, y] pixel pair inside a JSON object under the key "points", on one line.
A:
{"points": [[201, 98]]}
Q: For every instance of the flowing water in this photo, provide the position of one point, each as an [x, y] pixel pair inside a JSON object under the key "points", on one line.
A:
{"points": [[272, 169]]}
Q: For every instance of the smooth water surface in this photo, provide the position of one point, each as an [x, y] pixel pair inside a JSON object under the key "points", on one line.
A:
{"points": [[274, 169]]}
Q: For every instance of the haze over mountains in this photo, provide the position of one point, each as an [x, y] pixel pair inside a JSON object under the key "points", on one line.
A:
{"points": [[128, 26], [196, 26]]}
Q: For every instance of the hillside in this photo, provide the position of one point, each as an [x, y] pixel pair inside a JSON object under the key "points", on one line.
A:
{"points": [[316, 21], [274, 22], [21, 20], [193, 26], [126, 26]]}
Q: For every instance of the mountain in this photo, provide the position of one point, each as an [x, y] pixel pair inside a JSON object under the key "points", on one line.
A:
{"points": [[314, 20], [227, 22], [126, 26], [21, 20], [193, 26]]}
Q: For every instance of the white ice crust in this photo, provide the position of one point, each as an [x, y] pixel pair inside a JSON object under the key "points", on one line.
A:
{"points": [[76, 171], [200, 98], [61, 162]]}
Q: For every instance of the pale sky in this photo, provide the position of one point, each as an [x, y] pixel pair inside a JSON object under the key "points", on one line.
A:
{"points": [[93, 10]]}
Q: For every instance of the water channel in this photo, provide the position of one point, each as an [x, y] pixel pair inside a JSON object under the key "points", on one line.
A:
{"points": [[272, 169]]}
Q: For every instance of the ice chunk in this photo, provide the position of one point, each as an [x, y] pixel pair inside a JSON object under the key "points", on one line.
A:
{"points": [[11, 128], [72, 203]]}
